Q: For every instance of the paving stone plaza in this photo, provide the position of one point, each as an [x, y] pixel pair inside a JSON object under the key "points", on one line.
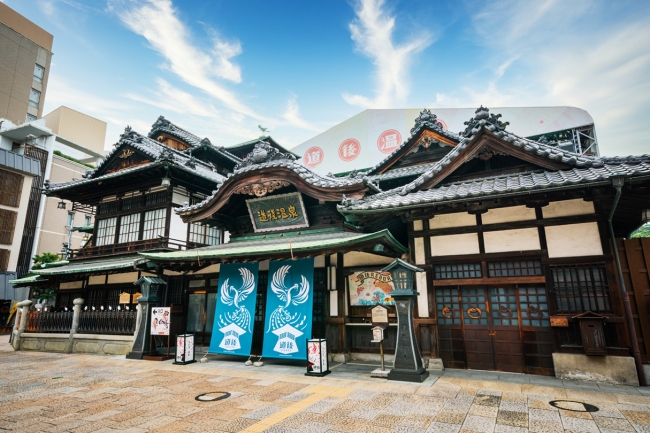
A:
{"points": [[45, 392]]}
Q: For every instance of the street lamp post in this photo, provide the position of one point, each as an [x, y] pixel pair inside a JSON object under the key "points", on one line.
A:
{"points": [[407, 365]]}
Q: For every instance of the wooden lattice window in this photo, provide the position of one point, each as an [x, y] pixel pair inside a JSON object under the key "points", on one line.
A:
{"points": [[7, 226], [455, 271], [515, 268], [154, 223], [129, 228], [106, 231], [11, 187], [580, 288], [4, 259]]}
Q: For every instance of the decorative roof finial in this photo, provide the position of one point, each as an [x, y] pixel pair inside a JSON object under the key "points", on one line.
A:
{"points": [[483, 118], [426, 118], [264, 152]]}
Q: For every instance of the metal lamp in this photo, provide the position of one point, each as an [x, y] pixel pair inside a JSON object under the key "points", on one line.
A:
{"points": [[166, 182], [85, 238], [61, 205], [403, 274], [645, 216]]}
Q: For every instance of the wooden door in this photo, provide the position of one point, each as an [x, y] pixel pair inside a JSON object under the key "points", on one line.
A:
{"points": [[479, 350], [504, 330], [536, 331], [451, 343]]}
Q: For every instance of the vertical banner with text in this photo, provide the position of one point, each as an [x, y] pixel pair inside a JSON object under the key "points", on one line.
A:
{"points": [[234, 318], [289, 302]]}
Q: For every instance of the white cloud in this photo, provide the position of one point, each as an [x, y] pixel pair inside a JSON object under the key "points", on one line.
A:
{"points": [[157, 21], [568, 54], [373, 34], [292, 116]]}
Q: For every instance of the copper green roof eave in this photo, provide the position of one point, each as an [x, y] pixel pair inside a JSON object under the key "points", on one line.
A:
{"points": [[26, 281], [279, 246], [87, 267]]}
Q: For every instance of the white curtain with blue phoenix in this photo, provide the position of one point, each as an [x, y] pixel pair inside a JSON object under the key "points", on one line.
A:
{"points": [[289, 302], [232, 332]]}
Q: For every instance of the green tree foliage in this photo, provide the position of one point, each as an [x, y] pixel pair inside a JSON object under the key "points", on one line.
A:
{"points": [[44, 258], [642, 232]]}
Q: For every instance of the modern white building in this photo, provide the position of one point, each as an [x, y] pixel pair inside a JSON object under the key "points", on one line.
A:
{"points": [[369, 137]]}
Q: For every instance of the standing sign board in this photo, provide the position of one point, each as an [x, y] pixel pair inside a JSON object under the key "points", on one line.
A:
{"points": [[288, 309], [235, 312], [379, 316], [184, 349], [160, 317], [317, 362]]}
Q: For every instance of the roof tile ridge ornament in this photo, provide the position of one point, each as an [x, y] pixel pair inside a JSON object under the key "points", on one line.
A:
{"points": [[166, 155], [160, 122], [483, 118], [426, 118], [262, 153]]}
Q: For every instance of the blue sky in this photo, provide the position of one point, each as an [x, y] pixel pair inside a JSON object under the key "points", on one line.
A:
{"points": [[220, 68]]}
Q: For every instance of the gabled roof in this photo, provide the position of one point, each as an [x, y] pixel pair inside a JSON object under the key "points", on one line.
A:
{"points": [[157, 152], [426, 121], [242, 149], [502, 186], [266, 165], [485, 126], [163, 125]]}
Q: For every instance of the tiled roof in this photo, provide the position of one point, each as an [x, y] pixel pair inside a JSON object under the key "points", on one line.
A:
{"points": [[305, 173], [285, 245], [490, 122], [398, 173], [159, 153], [426, 120], [637, 166], [163, 125], [92, 265]]}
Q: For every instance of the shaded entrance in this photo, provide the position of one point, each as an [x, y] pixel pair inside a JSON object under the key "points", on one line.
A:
{"points": [[504, 328]]}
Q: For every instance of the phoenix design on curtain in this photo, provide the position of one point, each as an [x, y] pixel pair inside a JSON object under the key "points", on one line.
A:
{"points": [[289, 308], [236, 302]]}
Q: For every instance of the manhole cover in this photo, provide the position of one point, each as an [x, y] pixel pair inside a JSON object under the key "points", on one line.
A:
{"points": [[212, 396], [574, 406]]}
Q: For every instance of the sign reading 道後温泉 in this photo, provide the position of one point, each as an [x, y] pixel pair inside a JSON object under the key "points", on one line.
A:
{"points": [[370, 288], [289, 302], [232, 332], [278, 212]]}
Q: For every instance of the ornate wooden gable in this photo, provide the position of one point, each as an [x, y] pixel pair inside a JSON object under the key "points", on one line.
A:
{"points": [[123, 159]]}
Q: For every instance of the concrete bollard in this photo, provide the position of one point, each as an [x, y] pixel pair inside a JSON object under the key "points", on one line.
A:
{"points": [[21, 322], [76, 313]]}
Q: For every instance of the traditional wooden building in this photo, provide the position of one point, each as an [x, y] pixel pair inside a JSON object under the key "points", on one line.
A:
{"points": [[514, 236]]}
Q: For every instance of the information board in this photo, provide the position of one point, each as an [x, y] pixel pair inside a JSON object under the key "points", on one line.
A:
{"points": [[160, 319]]}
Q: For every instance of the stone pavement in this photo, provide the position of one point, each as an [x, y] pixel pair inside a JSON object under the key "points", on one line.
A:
{"points": [[46, 392]]}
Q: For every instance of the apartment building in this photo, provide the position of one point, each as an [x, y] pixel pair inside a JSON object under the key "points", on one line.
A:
{"points": [[25, 58]]}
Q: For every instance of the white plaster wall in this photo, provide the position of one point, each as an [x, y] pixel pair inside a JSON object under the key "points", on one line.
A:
{"points": [[508, 214], [96, 279], [417, 225], [129, 277], [511, 240], [563, 208], [319, 261], [212, 269], [71, 285], [423, 297], [452, 245], [419, 251], [462, 219], [334, 303], [177, 228], [356, 258], [573, 240]]}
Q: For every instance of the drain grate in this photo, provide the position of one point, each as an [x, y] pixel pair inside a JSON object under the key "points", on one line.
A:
{"points": [[212, 396], [573, 406]]}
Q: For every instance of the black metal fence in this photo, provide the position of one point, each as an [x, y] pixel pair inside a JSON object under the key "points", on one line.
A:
{"points": [[49, 321], [111, 322]]}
